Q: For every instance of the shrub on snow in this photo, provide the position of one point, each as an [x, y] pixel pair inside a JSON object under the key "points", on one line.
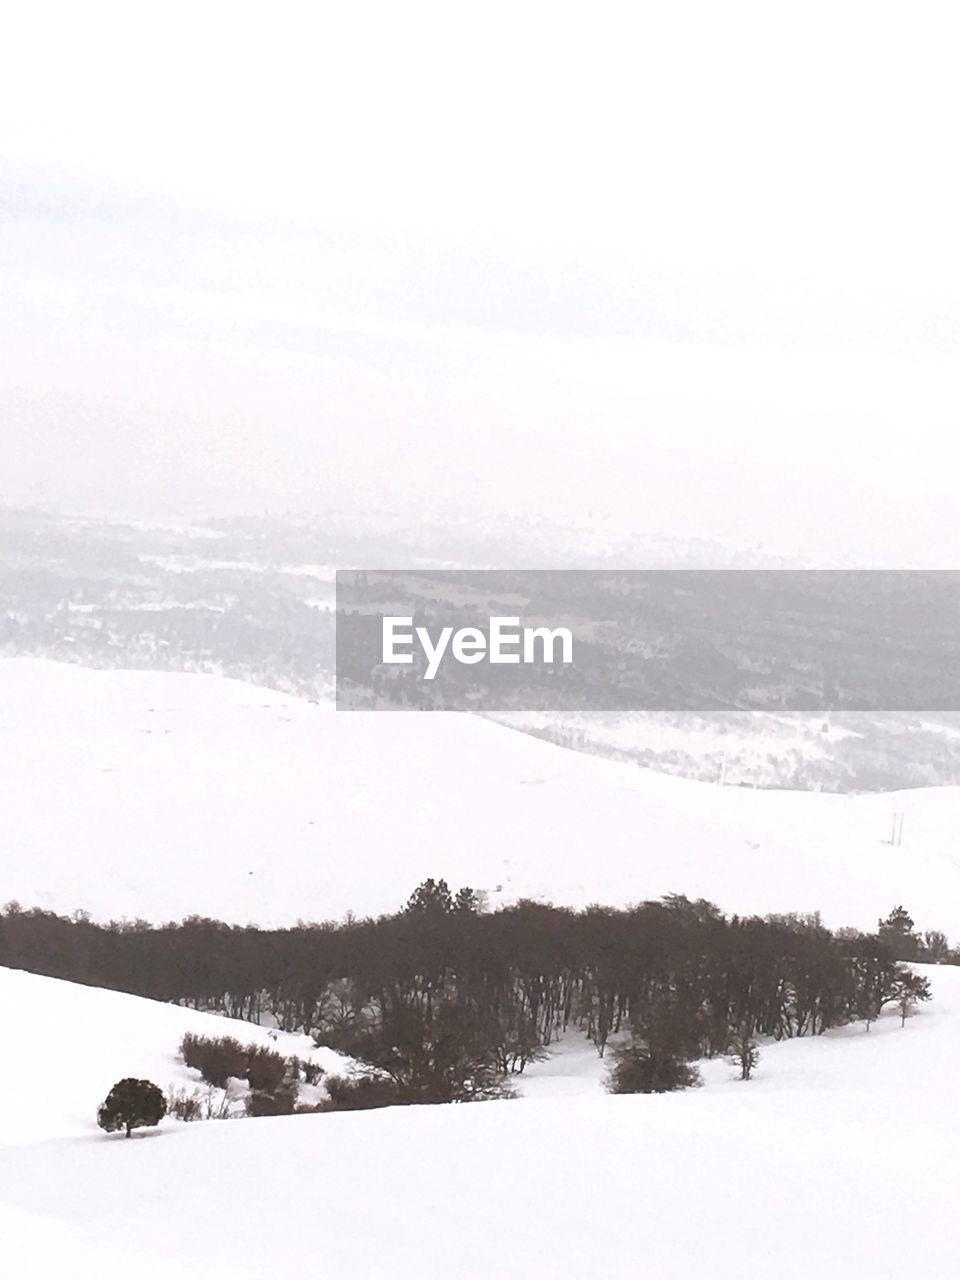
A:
{"points": [[131, 1104]]}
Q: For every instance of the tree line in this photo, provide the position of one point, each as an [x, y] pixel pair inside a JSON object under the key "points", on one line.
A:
{"points": [[446, 1000]]}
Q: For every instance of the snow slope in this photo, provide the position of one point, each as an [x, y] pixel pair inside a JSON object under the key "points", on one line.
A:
{"points": [[75, 1042], [840, 1159], [159, 795]]}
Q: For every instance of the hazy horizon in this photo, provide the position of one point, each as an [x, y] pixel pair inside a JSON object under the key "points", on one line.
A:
{"points": [[692, 272]]}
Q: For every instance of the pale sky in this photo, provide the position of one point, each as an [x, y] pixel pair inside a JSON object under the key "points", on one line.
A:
{"points": [[689, 268]]}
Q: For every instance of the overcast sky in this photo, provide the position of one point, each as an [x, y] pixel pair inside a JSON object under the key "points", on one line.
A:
{"points": [[688, 268]]}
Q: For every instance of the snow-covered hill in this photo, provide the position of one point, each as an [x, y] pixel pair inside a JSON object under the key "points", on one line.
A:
{"points": [[840, 1159], [160, 795], [68, 1044]]}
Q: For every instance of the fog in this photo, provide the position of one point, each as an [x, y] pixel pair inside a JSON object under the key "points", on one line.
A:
{"points": [[693, 271]]}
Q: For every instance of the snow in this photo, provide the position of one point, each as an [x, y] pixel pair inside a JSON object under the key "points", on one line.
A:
{"points": [[129, 793], [74, 1042], [840, 1158], [133, 793]]}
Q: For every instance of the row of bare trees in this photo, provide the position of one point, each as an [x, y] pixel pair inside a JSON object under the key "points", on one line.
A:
{"points": [[446, 999]]}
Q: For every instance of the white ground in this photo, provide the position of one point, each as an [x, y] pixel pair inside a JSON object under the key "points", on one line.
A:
{"points": [[74, 1042], [158, 795], [840, 1159]]}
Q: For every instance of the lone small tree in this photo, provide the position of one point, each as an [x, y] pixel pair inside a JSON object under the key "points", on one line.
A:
{"points": [[911, 989], [131, 1104], [744, 1051]]}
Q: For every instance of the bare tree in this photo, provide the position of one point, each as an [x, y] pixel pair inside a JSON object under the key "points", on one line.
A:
{"points": [[743, 1049]]}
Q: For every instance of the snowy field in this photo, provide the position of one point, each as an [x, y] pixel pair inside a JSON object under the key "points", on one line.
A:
{"points": [[841, 1159], [80, 1040], [160, 795]]}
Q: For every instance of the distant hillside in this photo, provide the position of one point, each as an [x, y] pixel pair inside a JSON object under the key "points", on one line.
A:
{"points": [[253, 599], [157, 795]]}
